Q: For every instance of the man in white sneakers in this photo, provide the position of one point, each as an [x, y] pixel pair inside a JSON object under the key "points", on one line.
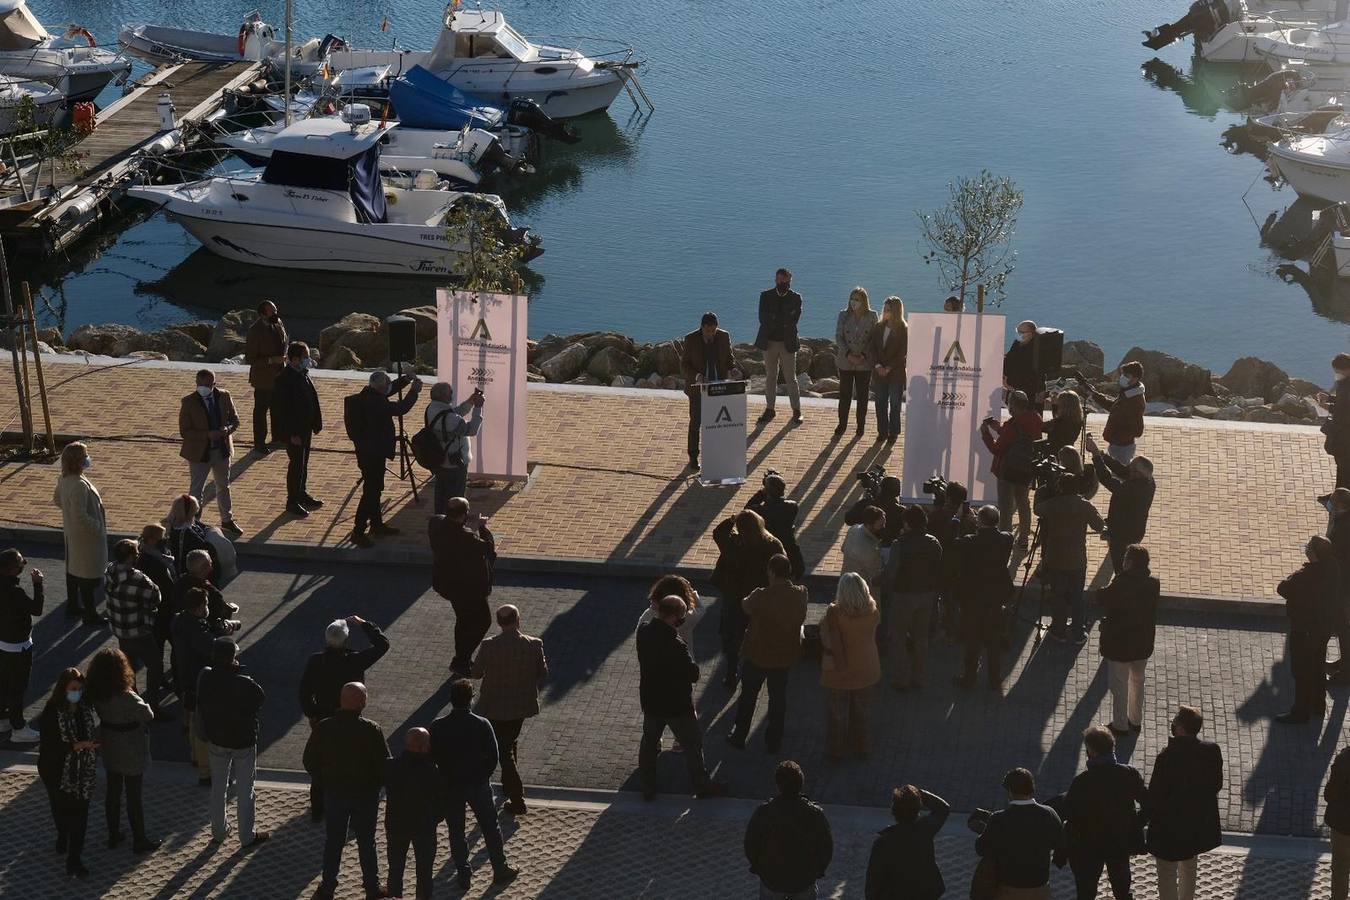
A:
{"points": [[17, 611]]}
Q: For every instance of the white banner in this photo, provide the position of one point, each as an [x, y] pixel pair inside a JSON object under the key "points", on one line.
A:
{"points": [[481, 346], [955, 368], [723, 432]]}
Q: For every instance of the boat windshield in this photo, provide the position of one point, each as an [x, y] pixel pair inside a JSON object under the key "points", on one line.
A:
{"points": [[511, 41], [19, 30]]}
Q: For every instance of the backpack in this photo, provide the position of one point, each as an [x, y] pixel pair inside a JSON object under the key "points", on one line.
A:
{"points": [[426, 447], [1019, 459], [354, 418]]}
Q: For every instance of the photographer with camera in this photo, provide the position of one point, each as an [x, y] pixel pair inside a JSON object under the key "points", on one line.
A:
{"points": [[370, 419], [880, 492], [1132, 488], [911, 577], [983, 586], [1064, 519], [1014, 455], [1125, 411], [780, 518], [445, 420], [862, 547]]}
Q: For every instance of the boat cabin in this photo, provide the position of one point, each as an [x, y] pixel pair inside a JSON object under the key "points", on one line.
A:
{"points": [[479, 34], [330, 155], [19, 28]]}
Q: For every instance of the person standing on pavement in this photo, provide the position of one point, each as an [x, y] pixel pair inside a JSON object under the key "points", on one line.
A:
{"points": [[680, 587], [192, 637], [887, 350], [447, 423], [187, 534], [780, 518], [464, 748], [1064, 520], [1337, 796], [296, 418], [327, 671], [773, 642], [666, 690], [1021, 839], [1019, 366], [124, 738], [17, 611], [705, 357], [1132, 488], [861, 551], [84, 525], [1313, 603], [229, 704], [265, 349], [1336, 427], [744, 548], [1011, 444], [348, 752], [206, 421], [463, 553], [133, 602], [983, 586], [68, 765], [1125, 412], [911, 578], [780, 308], [196, 576], [513, 669], [852, 329], [1338, 532], [370, 424], [414, 803], [1105, 809], [788, 840], [849, 667], [1127, 632], [903, 863], [1183, 800], [159, 566]]}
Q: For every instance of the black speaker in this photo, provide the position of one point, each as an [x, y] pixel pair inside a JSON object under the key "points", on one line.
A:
{"points": [[1047, 351], [402, 339]]}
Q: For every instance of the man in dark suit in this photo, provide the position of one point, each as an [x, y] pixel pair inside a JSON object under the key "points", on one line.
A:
{"points": [[1337, 427], [296, 418], [463, 553], [206, 419], [1132, 488], [1313, 603], [1019, 367], [1105, 808], [414, 804], [705, 358], [780, 308], [370, 424], [666, 687], [1183, 801], [983, 586], [1021, 839], [265, 350]]}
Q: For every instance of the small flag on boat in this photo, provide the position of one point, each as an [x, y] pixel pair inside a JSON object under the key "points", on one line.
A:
{"points": [[384, 26], [454, 5]]}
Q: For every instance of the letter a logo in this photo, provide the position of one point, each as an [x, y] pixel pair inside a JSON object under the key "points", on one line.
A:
{"points": [[480, 331], [954, 352], [723, 415]]}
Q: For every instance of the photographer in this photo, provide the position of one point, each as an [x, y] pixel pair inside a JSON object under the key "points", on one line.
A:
{"points": [[949, 518], [446, 421], [885, 498], [1337, 426], [1064, 520], [370, 424], [984, 585], [862, 548], [1011, 444], [1125, 412], [1132, 488], [780, 518], [911, 575], [1066, 420]]}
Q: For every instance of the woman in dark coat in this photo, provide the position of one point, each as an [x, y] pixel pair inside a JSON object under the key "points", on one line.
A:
{"points": [[67, 764], [1183, 799], [903, 864], [124, 722], [742, 566]]}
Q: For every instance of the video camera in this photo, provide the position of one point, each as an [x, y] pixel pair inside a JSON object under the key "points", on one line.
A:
{"points": [[937, 486], [1046, 469], [871, 480]]}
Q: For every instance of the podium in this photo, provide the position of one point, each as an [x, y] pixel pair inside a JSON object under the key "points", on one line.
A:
{"points": [[723, 437]]}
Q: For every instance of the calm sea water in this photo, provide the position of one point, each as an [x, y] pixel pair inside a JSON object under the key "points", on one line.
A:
{"points": [[807, 135]]}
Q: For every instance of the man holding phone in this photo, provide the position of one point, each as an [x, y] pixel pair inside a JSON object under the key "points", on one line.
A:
{"points": [[446, 421], [463, 553]]}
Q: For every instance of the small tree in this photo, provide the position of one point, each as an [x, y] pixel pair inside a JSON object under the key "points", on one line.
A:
{"points": [[492, 254], [970, 238]]}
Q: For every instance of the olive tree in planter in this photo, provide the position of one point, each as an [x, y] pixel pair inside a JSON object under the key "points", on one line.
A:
{"points": [[970, 239]]}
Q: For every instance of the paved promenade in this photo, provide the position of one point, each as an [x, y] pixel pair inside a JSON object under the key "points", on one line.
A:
{"points": [[1235, 502]]}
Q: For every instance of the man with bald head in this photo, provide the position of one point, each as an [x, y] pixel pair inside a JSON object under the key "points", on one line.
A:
{"points": [[414, 802], [463, 553], [347, 753], [370, 424], [513, 669]]}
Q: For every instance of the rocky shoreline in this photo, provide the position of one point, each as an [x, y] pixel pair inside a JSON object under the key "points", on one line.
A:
{"points": [[1253, 390]]}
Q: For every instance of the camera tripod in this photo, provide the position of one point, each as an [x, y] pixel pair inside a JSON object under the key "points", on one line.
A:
{"points": [[1039, 628], [406, 472]]}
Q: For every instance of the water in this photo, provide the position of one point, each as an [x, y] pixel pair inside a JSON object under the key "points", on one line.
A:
{"points": [[807, 135]]}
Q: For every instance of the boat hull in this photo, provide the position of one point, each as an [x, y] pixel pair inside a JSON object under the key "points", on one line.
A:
{"points": [[1309, 177]]}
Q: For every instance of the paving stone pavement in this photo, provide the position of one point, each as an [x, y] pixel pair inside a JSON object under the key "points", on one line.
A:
{"points": [[956, 743], [619, 848], [609, 482]]}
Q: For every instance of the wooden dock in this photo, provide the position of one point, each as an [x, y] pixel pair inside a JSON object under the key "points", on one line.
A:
{"points": [[46, 218]]}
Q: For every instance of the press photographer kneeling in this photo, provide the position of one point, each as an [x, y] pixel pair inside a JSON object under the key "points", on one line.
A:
{"points": [[883, 492]]}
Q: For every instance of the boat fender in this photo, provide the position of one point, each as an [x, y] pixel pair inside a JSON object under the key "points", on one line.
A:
{"points": [[243, 37], [81, 31]]}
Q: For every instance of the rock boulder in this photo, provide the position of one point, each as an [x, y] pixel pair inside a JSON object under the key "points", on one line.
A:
{"points": [[425, 317], [340, 356], [198, 331], [611, 362], [597, 342], [823, 365], [363, 334], [100, 339], [1167, 377], [1085, 356], [230, 334], [661, 359], [565, 365], [1252, 377]]}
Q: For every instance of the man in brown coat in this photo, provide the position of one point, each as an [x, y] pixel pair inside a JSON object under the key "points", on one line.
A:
{"points": [[206, 419], [705, 357], [513, 669], [773, 643], [265, 350]]}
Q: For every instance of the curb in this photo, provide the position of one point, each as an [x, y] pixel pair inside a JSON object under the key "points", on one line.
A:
{"points": [[565, 565]]}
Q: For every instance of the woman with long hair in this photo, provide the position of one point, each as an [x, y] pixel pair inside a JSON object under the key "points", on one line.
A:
{"points": [[1066, 420], [850, 667], [742, 565], [84, 525], [187, 533], [1086, 476], [888, 349], [124, 733], [851, 331], [67, 764]]}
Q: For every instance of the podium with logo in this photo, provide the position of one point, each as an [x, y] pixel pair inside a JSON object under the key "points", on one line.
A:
{"points": [[723, 437]]}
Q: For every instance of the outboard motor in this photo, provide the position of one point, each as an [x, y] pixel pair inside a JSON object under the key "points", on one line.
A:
{"points": [[1203, 19], [527, 113], [486, 152]]}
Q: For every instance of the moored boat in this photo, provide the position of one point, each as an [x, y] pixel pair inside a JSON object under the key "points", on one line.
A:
{"points": [[72, 62]]}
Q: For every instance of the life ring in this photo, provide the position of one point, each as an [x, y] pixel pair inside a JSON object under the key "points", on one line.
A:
{"points": [[243, 36], [81, 31]]}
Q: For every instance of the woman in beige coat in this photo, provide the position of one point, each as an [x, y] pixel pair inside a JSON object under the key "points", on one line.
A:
{"points": [[849, 667], [86, 532]]}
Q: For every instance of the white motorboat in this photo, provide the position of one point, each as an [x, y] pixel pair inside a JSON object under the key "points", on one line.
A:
{"points": [[256, 41], [320, 204], [1316, 166], [1230, 31], [46, 104], [1325, 46], [479, 52], [71, 63]]}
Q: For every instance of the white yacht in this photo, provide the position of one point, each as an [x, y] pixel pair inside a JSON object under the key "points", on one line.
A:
{"points": [[1232, 31], [479, 52], [1316, 166], [320, 204], [1324, 46], [71, 63], [47, 102]]}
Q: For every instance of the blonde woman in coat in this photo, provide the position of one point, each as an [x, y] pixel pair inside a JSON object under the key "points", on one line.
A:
{"points": [[849, 668], [85, 527]]}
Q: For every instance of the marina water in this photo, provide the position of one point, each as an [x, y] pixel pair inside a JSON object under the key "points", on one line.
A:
{"points": [[808, 134]]}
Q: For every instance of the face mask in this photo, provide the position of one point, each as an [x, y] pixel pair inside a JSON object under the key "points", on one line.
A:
{"points": [[1024, 337], [74, 696], [1124, 381], [856, 304], [203, 390], [783, 287], [87, 462], [307, 364], [1341, 376]]}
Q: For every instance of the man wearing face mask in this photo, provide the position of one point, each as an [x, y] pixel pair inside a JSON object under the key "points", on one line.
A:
{"points": [[296, 418], [370, 423], [1337, 426], [1125, 411], [779, 309], [265, 350], [1019, 368], [206, 419]]}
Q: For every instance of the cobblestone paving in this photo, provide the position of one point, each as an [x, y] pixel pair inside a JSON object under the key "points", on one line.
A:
{"points": [[609, 480], [957, 743], [583, 851]]}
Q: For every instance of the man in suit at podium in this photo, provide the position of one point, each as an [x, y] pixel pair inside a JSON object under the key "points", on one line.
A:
{"points": [[706, 357]]}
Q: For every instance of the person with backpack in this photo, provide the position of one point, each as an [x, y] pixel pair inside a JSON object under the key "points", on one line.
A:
{"points": [[1011, 443], [443, 446], [1064, 521], [370, 425], [788, 841]]}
